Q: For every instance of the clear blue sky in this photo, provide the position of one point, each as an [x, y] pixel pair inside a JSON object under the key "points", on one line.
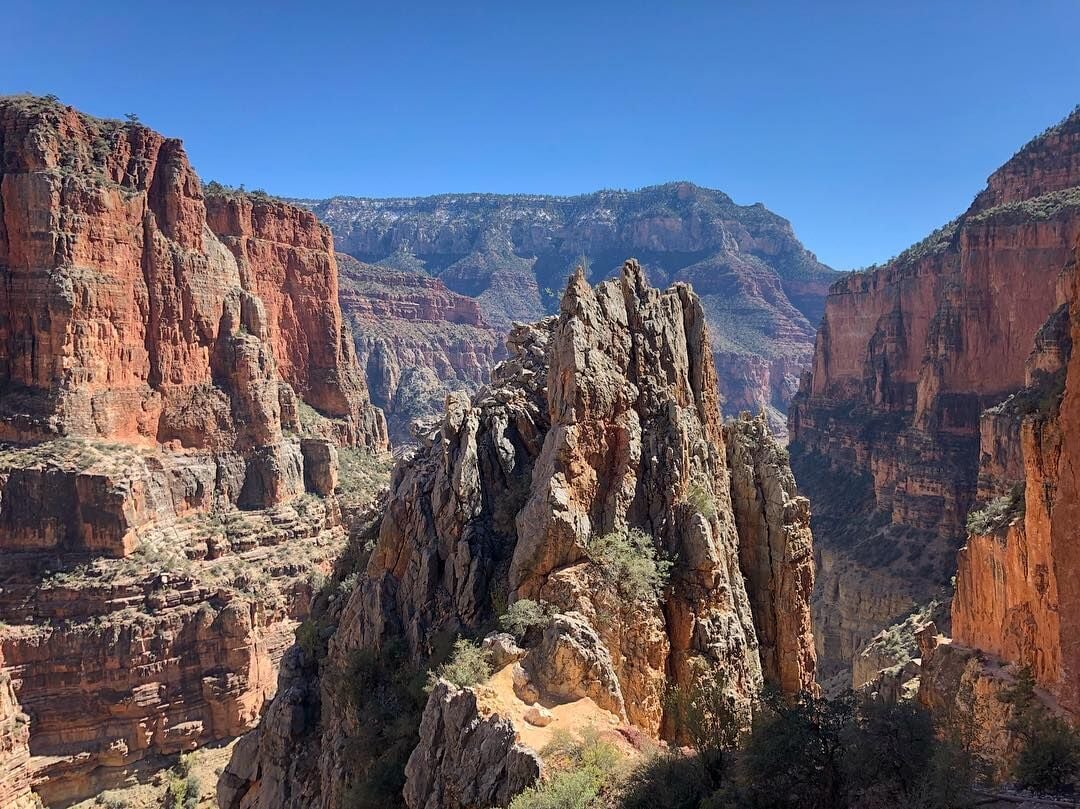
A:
{"points": [[866, 124]]}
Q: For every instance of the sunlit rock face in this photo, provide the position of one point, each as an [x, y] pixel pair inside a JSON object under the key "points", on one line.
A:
{"points": [[175, 378], [603, 420], [761, 290], [886, 426]]}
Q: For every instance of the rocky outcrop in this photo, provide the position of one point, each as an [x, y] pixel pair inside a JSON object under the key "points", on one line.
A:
{"points": [[776, 551], [466, 757], [762, 292], [416, 340], [600, 430], [175, 377], [886, 426]]}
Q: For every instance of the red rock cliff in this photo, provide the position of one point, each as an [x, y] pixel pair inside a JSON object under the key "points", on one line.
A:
{"points": [[1015, 596], [171, 403], [886, 425]]}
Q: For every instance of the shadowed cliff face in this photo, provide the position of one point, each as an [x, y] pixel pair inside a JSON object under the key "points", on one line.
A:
{"points": [[886, 427], [762, 292], [603, 420], [175, 382]]}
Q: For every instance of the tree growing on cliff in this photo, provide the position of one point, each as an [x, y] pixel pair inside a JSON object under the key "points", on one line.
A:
{"points": [[1049, 756]]}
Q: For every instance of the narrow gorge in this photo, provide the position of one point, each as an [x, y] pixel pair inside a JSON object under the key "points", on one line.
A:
{"points": [[913, 414]]}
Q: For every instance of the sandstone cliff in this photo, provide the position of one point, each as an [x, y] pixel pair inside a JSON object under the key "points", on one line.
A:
{"points": [[602, 425], [761, 290], [886, 426], [175, 377], [1014, 598], [416, 340]]}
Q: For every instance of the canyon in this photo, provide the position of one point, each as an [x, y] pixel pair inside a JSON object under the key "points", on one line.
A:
{"points": [[510, 255], [906, 421], [180, 404], [601, 429]]}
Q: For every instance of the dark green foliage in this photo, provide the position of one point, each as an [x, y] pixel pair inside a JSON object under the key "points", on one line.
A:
{"points": [[795, 755], [812, 753], [670, 781], [385, 692], [1049, 755], [632, 565], [523, 615], [707, 717]]}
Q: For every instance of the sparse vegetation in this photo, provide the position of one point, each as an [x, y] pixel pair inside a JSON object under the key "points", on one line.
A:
{"points": [[468, 665], [631, 564], [583, 768], [523, 615], [1049, 756], [361, 475], [999, 513], [182, 791], [700, 498]]}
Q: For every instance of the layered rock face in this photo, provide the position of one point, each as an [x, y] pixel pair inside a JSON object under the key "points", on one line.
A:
{"points": [[761, 290], [166, 358], [1014, 598], [886, 426], [603, 423], [416, 340], [14, 749]]}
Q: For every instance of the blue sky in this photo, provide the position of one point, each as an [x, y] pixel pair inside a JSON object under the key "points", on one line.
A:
{"points": [[866, 124]]}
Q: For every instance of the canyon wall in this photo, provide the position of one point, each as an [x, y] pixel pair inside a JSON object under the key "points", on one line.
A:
{"points": [[175, 381], [416, 339], [1014, 597], [886, 425], [602, 427], [762, 291]]}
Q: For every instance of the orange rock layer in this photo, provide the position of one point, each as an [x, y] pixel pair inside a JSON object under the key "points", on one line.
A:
{"points": [[886, 426], [1016, 596]]}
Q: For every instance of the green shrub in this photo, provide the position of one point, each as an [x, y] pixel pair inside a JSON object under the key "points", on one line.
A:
{"points": [[702, 500], [631, 564], [468, 665], [570, 789], [583, 768], [707, 716], [1049, 755], [998, 513], [309, 639], [523, 615], [182, 792]]}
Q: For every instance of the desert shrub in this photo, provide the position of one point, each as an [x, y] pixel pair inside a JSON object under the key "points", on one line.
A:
{"points": [[631, 564], [523, 615], [584, 767], [1049, 755], [182, 792], [998, 513], [795, 754], [385, 691], [468, 665], [701, 499], [309, 639], [571, 789], [706, 715]]}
